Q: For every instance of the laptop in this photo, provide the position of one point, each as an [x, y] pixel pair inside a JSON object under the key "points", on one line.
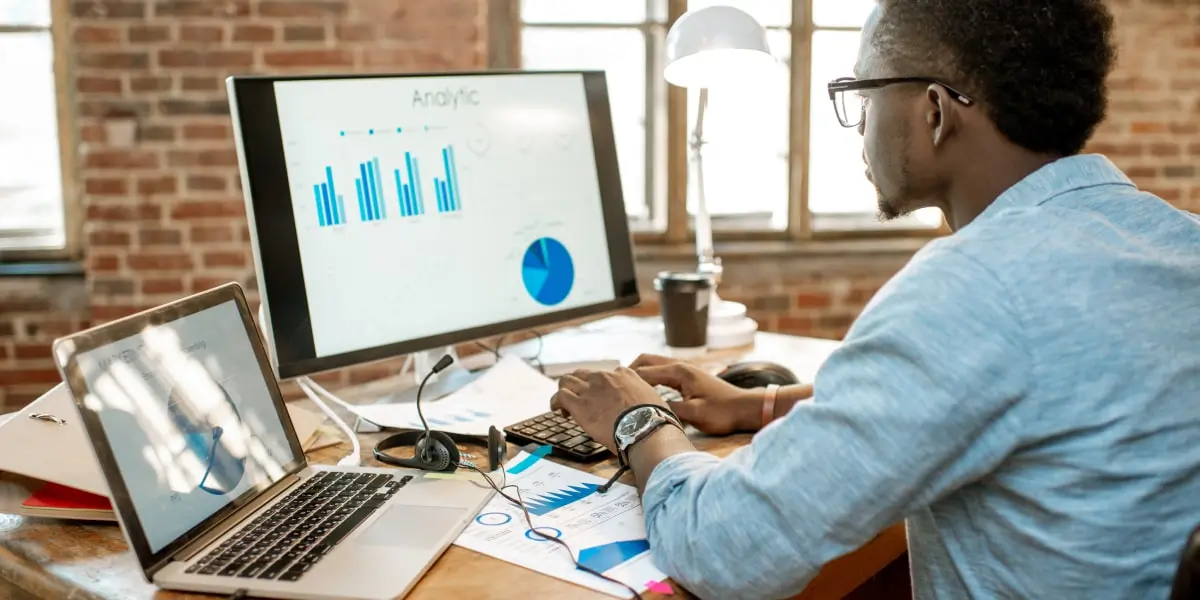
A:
{"points": [[208, 479]]}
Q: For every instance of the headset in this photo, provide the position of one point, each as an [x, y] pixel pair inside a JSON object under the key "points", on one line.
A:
{"points": [[438, 450]]}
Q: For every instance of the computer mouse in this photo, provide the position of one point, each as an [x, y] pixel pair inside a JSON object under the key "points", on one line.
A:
{"points": [[758, 373]]}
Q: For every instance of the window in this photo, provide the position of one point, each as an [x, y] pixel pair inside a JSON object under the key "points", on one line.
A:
{"points": [[757, 179], [32, 211]]}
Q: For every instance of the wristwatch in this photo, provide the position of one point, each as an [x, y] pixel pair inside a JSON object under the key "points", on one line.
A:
{"points": [[637, 424]]}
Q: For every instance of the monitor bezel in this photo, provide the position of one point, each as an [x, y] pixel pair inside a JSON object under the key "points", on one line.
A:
{"points": [[66, 351], [275, 244]]}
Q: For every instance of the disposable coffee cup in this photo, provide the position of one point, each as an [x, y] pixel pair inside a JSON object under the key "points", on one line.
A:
{"points": [[683, 303]]}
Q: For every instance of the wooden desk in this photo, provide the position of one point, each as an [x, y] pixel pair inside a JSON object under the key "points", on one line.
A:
{"points": [[42, 558]]}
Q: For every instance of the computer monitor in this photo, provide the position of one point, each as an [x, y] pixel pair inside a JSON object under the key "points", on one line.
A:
{"points": [[400, 213]]}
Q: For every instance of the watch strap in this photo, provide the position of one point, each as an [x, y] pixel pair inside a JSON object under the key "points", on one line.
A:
{"points": [[768, 407]]}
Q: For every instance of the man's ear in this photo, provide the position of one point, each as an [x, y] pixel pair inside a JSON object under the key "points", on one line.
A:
{"points": [[941, 114]]}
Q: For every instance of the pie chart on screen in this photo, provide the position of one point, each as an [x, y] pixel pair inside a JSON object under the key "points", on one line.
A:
{"points": [[548, 271]]}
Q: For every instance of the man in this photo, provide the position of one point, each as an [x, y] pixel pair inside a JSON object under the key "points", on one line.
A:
{"points": [[1025, 393]]}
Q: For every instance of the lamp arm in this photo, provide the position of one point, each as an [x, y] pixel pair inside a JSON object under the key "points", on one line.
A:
{"points": [[704, 243]]}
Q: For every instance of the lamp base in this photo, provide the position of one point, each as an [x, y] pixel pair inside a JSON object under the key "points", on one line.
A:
{"points": [[728, 325]]}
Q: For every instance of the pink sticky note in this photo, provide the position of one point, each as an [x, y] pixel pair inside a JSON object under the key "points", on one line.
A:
{"points": [[660, 587]]}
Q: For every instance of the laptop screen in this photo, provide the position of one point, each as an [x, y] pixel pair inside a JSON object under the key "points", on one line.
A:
{"points": [[191, 421]]}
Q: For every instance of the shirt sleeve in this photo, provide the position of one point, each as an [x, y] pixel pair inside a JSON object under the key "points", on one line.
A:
{"points": [[918, 401]]}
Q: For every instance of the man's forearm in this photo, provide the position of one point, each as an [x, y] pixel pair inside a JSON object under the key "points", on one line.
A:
{"points": [[664, 443], [751, 419]]}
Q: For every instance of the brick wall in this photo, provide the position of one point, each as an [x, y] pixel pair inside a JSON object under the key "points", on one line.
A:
{"points": [[159, 177]]}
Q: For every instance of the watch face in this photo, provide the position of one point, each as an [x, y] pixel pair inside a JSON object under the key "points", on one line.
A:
{"points": [[634, 421]]}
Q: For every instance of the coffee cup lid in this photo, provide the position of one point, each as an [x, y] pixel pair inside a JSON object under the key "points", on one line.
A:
{"points": [[682, 281]]}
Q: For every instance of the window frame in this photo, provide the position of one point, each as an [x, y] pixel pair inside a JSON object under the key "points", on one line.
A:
{"points": [[504, 52], [71, 250]]}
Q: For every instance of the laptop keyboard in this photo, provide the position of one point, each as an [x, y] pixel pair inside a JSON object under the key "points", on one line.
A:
{"points": [[285, 541]]}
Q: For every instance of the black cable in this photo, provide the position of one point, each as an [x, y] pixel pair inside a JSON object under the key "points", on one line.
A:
{"points": [[520, 502]]}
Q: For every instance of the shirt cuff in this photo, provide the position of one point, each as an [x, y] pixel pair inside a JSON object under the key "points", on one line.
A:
{"points": [[670, 473]]}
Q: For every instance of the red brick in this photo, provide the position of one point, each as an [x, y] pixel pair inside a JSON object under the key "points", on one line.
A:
{"points": [[200, 83], [102, 263], [225, 259], [201, 33], [141, 34], [207, 131], [103, 313], [23, 305], [318, 9], [158, 185], [159, 236], [202, 8], [120, 159], [203, 234], [308, 58], [253, 33], [1165, 149], [150, 83], [201, 283], [813, 300], [5, 352], [92, 133], [160, 286], [101, 186], [98, 85], [356, 32], [1148, 127], [165, 261], [28, 376], [121, 61], [96, 34], [108, 237], [108, 9], [206, 183], [215, 59], [795, 325], [208, 209]]}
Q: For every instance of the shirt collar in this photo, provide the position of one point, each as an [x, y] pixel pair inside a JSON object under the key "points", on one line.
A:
{"points": [[1060, 177]]}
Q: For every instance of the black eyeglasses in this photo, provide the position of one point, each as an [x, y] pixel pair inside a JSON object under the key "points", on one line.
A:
{"points": [[839, 89]]}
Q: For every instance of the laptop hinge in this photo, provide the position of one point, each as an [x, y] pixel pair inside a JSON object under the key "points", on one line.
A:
{"points": [[189, 551]]}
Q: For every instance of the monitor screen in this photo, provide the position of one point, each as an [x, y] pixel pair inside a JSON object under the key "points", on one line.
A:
{"points": [[400, 213], [187, 413]]}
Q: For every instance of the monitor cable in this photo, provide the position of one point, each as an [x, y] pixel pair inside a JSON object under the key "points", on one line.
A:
{"points": [[310, 388]]}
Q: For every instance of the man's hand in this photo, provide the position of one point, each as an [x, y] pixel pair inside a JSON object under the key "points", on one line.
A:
{"points": [[710, 404], [595, 399]]}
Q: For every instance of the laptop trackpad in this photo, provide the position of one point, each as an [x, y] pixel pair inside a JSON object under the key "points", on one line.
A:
{"points": [[412, 526]]}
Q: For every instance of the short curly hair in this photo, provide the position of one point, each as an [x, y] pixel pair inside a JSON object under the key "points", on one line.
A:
{"points": [[1039, 67]]}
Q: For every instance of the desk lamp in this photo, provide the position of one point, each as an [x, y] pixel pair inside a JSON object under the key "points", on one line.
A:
{"points": [[714, 47]]}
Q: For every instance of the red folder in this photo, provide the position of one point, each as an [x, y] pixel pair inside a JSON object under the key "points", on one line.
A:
{"points": [[61, 502]]}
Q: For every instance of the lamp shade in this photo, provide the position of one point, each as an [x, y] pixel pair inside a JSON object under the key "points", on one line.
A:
{"points": [[715, 46]]}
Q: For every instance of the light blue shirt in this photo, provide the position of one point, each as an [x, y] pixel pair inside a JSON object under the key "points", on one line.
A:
{"points": [[1025, 394]]}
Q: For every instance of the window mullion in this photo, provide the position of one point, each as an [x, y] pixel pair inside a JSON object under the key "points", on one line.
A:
{"points": [[677, 147], [799, 217]]}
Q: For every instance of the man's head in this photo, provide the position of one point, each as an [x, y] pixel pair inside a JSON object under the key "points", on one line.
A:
{"points": [[1024, 76]]}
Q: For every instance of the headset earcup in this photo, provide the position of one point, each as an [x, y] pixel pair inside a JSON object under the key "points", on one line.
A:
{"points": [[437, 451], [497, 449]]}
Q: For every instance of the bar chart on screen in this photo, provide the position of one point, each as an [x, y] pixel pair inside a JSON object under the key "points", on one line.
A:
{"points": [[391, 188]]}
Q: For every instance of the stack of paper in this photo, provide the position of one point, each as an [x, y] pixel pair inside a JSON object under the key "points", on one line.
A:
{"points": [[509, 392], [607, 532]]}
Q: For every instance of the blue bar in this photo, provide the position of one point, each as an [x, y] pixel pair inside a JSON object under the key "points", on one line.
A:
{"points": [[329, 217], [408, 201], [412, 183], [341, 210], [366, 190], [380, 199], [369, 185], [362, 202], [400, 195], [446, 197], [416, 186], [340, 217], [448, 192], [437, 189], [320, 210], [453, 175]]}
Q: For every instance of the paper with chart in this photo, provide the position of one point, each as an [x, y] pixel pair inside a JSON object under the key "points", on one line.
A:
{"points": [[508, 392], [606, 531]]}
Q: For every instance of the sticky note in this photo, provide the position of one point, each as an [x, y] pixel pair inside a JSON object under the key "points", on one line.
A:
{"points": [[659, 587]]}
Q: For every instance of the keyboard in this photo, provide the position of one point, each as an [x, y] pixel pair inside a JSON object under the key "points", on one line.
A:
{"points": [[285, 541], [564, 436]]}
